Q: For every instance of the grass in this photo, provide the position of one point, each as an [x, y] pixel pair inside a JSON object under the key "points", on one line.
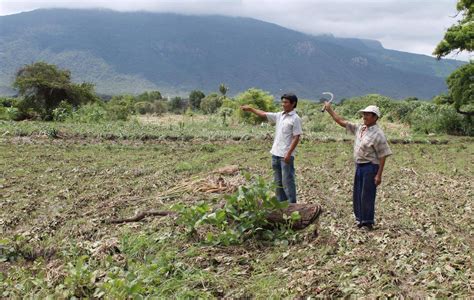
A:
{"points": [[55, 193], [198, 127]]}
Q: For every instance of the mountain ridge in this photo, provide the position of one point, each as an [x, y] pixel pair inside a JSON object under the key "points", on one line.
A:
{"points": [[133, 52]]}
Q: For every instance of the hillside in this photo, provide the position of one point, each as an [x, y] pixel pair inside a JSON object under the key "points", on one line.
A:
{"points": [[133, 52]]}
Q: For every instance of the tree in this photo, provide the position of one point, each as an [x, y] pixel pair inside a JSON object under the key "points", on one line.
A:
{"points": [[177, 105], [43, 86], [211, 103], [257, 99], [461, 89], [195, 98], [223, 89], [460, 37], [149, 96]]}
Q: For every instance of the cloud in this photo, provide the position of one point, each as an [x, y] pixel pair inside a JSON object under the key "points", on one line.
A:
{"points": [[406, 25]]}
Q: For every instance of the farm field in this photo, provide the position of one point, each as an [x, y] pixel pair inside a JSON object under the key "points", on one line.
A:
{"points": [[61, 182]]}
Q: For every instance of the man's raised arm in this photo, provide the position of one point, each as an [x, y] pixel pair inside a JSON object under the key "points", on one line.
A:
{"points": [[339, 120]]}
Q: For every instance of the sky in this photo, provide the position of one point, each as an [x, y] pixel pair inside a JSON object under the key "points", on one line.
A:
{"points": [[407, 25]]}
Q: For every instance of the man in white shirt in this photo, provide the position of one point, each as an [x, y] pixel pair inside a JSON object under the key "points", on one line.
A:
{"points": [[288, 130]]}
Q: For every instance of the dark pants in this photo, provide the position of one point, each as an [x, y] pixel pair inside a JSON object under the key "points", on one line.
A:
{"points": [[284, 177], [364, 193]]}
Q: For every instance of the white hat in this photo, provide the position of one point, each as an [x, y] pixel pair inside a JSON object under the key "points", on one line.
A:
{"points": [[371, 108]]}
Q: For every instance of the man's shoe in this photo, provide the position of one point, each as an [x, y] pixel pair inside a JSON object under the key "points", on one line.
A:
{"points": [[366, 227]]}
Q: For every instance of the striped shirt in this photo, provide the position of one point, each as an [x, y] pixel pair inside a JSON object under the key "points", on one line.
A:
{"points": [[370, 144]]}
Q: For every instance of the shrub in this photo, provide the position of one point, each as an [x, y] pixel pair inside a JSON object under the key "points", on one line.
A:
{"points": [[402, 110], [211, 103], [432, 118], [178, 105], [117, 112], [62, 112], [351, 107], [90, 113], [244, 216], [144, 108], [159, 107], [195, 98], [257, 99]]}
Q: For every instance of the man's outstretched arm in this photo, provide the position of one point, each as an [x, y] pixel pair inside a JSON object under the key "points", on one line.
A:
{"points": [[258, 112]]}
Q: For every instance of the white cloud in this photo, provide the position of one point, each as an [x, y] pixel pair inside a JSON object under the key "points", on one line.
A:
{"points": [[406, 25]]}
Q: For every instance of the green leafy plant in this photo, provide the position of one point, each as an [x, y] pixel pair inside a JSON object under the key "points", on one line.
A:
{"points": [[244, 216]]}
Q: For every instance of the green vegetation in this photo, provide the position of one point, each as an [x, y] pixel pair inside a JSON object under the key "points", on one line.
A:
{"points": [[460, 37], [46, 93], [64, 181], [58, 192], [243, 216], [43, 87]]}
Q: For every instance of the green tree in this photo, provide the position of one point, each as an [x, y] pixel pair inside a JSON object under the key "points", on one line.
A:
{"points": [[127, 102], [211, 103], [461, 89], [223, 89], [195, 98], [256, 98], [177, 105], [43, 86], [149, 96], [460, 37]]}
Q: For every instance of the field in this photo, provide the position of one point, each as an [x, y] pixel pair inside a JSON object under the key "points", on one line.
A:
{"points": [[61, 182]]}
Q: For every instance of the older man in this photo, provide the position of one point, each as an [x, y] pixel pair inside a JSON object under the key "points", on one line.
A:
{"points": [[370, 151]]}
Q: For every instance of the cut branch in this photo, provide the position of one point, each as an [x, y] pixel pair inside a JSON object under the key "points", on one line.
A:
{"points": [[141, 216]]}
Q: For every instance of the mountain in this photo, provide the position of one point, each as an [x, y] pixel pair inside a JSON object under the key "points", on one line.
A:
{"points": [[134, 52]]}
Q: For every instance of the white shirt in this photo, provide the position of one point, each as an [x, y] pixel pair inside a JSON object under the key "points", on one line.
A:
{"points": [[287, 126]]}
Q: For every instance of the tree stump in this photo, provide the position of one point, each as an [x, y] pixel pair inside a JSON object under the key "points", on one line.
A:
{"points": [[309, 214]]}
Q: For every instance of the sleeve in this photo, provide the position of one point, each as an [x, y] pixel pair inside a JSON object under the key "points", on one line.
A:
{"points": [[272, 117], [297, 127], [382, 148], [351, 128]]}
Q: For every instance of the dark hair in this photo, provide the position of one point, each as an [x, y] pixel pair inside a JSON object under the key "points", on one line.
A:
{"points": [[291, 97]]}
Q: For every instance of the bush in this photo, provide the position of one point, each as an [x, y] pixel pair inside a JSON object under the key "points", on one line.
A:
{"points": [[257, 99], [431, 118], [350, 108], [149, 96], [244, 216], [90, 113], [211, 103], [144, 108], [126, 101], [195, 98], [178, 105], [160, 107], [8, 102], [117, 112], [402, 110], [62, 112], [225, 113]]}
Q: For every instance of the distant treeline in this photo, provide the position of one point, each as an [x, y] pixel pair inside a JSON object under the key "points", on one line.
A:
{"points": [[47, 93]]}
